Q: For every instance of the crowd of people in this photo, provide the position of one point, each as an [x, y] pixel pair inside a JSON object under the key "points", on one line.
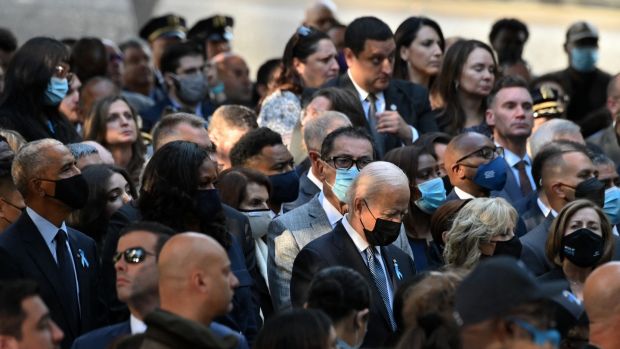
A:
{"points": [[370, 189]]}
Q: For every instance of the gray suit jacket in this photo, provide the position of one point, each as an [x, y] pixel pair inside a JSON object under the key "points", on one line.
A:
{"points": [[607, 140], [533, 251], [288, 234]]}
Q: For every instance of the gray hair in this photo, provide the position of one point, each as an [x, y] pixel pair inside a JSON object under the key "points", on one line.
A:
{"points": [[315, 130], [477, 222], [30, 161], [80, 150], [550, 131], [374, 179], [166, 126]]}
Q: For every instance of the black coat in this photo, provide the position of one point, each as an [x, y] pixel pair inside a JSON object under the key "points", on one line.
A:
{"points": [[24, 254], [33, 129], [337, 249]]}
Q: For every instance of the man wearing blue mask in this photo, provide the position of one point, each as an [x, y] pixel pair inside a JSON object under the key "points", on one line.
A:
{"points": [[344, 153], [584, 83], [362, 240]]}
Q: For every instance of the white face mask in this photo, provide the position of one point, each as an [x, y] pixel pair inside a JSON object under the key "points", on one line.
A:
{"points": [[259, 222]]}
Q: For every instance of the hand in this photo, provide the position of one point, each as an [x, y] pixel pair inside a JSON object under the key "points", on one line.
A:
{"points": [[391, 122]]}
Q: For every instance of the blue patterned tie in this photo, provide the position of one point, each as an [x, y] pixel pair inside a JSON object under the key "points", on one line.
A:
{"points": [[374, 265]]}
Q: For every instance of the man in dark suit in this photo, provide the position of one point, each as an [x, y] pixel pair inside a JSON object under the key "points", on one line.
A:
{"points": [[562, 166], [510, 114], [186, 86], [39, 246], [378, 199], [396, 111], [136, 282]]}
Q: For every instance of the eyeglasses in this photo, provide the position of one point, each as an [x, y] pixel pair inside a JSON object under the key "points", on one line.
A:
{"points": [[487, 153], [539, 337], [132, 255], [61, 71], [346, 162]]}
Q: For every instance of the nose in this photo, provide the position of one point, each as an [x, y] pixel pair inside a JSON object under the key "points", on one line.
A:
{"points": [[120, 265], [387, 66], [437, 50], [57, 334], [334, 65], [234, 282], [125, 198]]}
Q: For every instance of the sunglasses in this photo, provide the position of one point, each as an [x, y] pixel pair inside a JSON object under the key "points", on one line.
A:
{"points": [[132, 255]]}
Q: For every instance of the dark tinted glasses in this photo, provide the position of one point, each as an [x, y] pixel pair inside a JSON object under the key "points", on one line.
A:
{"points": [[132, 255]]}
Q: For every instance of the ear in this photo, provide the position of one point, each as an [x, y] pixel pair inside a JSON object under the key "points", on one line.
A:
{"points": [[169, 79], [36, 187], [404, 53], [567, 48], [349, 56], [2, 208], [459, 170], [444, 237], [199, 281], [360, 319], [299, 66], [8, 342], [358, 206], [557, 189], [490, 117]]}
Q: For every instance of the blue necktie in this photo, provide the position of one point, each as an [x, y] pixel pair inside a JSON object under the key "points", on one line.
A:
{"points": [[67, 274], [374, 265]]}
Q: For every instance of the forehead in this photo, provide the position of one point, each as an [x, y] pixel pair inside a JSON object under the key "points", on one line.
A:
{"points": [[345, 145], [585, 214], [513, 94], [576, 161], [137, 238], [186, 132], [473, 142], [276, 152], [376, 47], [58, 154], [479, 55], [606, 171], [235, 62], [208, 168], [191, 61]]}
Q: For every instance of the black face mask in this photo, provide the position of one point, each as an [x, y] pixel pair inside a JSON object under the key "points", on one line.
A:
{"points": [[511, 247], [384, 233], [208, 203], [591, 189], [284, 187], [582, 247], [72, 191], [447, 184]]}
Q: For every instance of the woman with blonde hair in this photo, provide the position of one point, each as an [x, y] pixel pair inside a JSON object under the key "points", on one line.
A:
{"points": [[579, 240], [483, 228]]}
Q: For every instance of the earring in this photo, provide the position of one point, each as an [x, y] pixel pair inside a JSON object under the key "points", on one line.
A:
{"points": [[456, 85]]}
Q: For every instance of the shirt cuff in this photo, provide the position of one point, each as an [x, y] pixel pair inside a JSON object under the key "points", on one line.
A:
{"points": [[414, 134]]}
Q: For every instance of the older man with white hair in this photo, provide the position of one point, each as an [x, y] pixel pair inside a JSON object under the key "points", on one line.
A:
{"points": [[377, 201]]}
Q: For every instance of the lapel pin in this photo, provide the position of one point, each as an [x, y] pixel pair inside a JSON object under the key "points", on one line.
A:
{"points": [[399, 275], [83, 259], [393, 107]]}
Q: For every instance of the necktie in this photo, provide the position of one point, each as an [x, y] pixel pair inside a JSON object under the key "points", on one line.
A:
{"points": [[67, 274], [372, 122], [524, 180], [378, 275]]}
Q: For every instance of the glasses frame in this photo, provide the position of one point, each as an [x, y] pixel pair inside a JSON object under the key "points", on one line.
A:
{"points": [[498, 151], [333, 160], [132, 259]]}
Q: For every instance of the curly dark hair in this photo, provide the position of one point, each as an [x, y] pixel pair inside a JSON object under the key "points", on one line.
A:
{"points": [[169, 187], [508, 24], [252, 143]]}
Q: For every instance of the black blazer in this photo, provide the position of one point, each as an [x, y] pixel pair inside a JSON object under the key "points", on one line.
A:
{"points": [[25, 255], [411, 101], [337, 248]]}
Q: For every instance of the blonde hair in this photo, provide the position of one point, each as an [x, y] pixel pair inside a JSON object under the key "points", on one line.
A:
{"points": [[477, 222]]}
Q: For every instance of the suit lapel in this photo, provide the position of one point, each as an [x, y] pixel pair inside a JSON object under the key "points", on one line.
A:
{"points": [[318, 217], [39, 252], [356, 262], [82, 263]]}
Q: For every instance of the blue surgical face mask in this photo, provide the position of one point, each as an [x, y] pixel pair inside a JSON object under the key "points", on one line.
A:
{"points": [[343, 181], [56, 90], [612, 205], [584, 59], [433, 195], [492, 175]]}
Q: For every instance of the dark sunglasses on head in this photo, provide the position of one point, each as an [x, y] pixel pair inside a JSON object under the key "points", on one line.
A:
{"points": [[132, 255]]}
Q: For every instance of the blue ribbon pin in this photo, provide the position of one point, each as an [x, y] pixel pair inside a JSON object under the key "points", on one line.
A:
{"points": [[83, 259], [399, 275]]}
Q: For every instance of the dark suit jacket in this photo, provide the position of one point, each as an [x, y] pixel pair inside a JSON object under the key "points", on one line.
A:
{"points": [[245, 315], [307, 190], [411, 101], [101, 338], [530, 212], [337, 248], [151, 115], [533, 251], [24, 254], [512, 188], [607, 140]]}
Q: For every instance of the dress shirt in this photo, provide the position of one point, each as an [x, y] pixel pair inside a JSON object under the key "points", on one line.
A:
{"points": [[362, 245], [333, 215], [136, 325], [463, 195], [314, 179], [379, 104], [543, 208]]}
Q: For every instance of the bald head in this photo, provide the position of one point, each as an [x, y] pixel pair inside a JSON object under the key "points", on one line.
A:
{"points": [[195, 278], [458, 148], [601, 293]]}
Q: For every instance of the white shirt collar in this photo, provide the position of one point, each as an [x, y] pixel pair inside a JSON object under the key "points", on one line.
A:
{"points": [[363, 94], [512, 159], [543, 208], [47, 229], [360, 243], [333, 215], [314, 179], [463, 195], [136, 325]]}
